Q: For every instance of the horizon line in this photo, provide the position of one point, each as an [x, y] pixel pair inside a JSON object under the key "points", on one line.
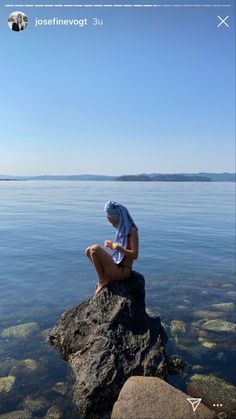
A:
{"points": [[123, 174]]}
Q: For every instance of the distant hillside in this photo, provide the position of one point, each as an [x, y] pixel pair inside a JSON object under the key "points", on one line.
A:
{"points": [[143, 177], [181, 178], [72, 177], [7, 179], [61, 177], [220, 177], [164, 178], [215, 177], [134, 178]]}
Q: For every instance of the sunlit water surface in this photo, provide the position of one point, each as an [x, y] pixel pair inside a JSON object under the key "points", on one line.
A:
{"points": [[186, 255]]}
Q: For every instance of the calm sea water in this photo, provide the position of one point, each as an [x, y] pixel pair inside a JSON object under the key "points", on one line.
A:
{"points": [[187, 255]]}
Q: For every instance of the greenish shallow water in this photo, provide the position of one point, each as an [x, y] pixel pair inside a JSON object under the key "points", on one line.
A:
{"points": [[186, 255]]}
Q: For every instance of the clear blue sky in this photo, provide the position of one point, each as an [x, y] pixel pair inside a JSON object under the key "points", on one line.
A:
{"points": [[152, 90]]}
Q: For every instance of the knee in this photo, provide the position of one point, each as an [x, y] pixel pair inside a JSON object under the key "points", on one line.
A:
{"points": [[87, 251], [94, 248]]}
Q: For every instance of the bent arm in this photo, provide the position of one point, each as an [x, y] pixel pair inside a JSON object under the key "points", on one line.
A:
{"points": [[134, 244]]}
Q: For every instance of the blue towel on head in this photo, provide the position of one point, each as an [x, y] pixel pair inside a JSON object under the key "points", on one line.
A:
{"points": [[119, 212]]}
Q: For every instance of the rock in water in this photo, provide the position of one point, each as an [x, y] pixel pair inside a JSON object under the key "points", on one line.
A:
{"points": [[214, 392], [107, 339]]}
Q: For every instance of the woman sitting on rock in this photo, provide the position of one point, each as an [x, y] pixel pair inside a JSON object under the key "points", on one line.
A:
{"points": [[125, 247]]}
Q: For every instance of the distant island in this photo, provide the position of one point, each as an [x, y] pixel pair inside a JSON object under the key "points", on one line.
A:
{"points": [[134, 178], [143, 177], [7, 180], [164, 178]]}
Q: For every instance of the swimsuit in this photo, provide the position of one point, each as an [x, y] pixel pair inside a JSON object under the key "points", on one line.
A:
{"points": [[122, 266]]}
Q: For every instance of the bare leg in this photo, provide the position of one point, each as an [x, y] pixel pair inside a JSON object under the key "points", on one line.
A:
{"points": [[87, 252], [106, 269], [100, 271], [110, 269]]}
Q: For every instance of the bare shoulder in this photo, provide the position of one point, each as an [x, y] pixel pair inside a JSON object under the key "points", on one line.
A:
{"points": [[133, 232]]}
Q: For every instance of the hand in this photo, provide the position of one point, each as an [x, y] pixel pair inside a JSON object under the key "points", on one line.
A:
{"points": [[113, 246], [108, 243]]}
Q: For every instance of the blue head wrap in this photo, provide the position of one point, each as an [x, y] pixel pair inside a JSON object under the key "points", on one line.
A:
{"points": [[118, 212]]}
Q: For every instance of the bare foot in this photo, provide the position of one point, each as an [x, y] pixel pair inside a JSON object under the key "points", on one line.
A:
{"points": [[99, 286]]}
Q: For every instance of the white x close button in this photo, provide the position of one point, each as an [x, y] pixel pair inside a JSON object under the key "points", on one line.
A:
{"points": [[223, 21]]}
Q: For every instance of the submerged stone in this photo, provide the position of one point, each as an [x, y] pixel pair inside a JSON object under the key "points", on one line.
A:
{"points": [[25, 366], [219, 325], [21, 330], [176, 364], [107, 339], [214, 390], [224, 306], [197, 367], [208, 344], [54, 413], [60, 387], [177, 327], [207, 315], [17, 414], [182, 307], [30, 364], [6, 383], [34, 404]]}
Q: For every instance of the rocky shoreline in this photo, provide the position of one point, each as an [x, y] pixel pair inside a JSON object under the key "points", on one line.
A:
{"points": [[109, 340], [117, 349]]}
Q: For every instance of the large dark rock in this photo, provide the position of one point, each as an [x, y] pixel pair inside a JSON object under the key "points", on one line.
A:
{"points": [[107, 339]]}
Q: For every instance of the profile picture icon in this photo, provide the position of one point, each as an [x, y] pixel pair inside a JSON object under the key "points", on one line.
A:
{"points": [[17, 21]]}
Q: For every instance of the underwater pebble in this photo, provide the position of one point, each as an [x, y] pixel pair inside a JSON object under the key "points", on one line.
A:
{"points": [[16, 414], [61, 387], [26, 366], [177, 326], [30, 364], [176, 364], [208, 344], [6, 383], [224, 306], [197, 367], [219, 326], [213, 390], [34, 404], [207, 315], [181, 307], [21, 330], [54, 413]]}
